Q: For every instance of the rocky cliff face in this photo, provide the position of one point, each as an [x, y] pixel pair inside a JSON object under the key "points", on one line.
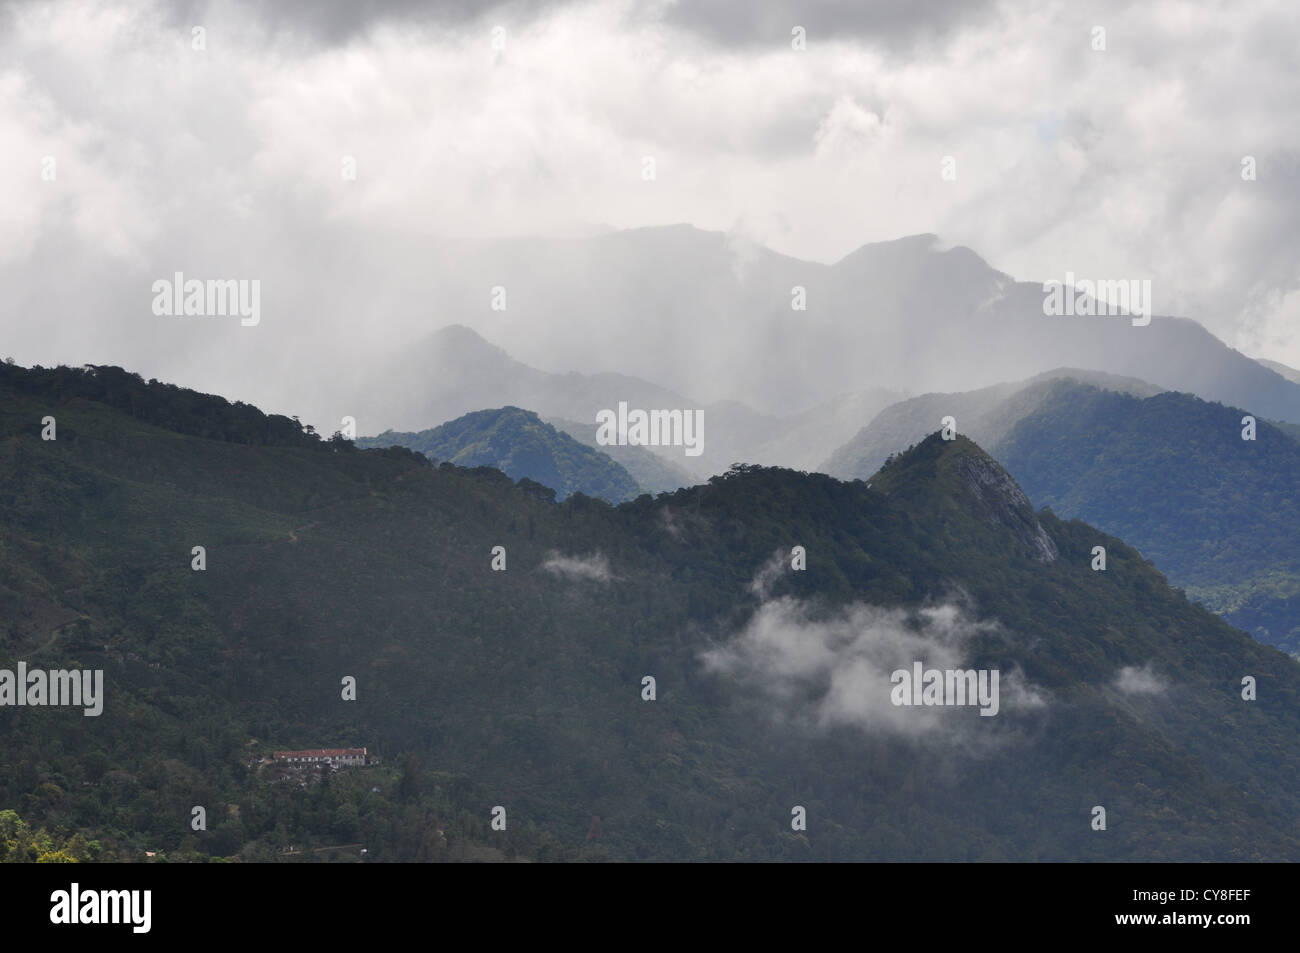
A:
{"points": [[1005, 504]]}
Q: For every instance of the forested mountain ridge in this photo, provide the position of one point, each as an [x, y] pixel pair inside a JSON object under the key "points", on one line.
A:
{"points": [[1168, 472], [985, 415], [524, 687], [521, 445], [653, 472], [164, 405], [1173, 475]]}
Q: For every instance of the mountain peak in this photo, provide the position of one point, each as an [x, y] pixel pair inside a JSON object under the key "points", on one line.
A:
{"points": [[1004, 503], [460, 335], [922, 262], [908, 245], [961, 470], [519, 443]]}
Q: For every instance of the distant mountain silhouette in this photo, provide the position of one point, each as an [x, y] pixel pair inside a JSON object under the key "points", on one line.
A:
{"points": [[455, 371], [715, 317], [521, 445]]}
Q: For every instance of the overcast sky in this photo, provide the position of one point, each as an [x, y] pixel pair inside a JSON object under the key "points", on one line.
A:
{"points": [[1124, 162]]}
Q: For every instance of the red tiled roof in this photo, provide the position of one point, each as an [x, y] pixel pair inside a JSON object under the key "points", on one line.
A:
{"points": [[323, 753]]}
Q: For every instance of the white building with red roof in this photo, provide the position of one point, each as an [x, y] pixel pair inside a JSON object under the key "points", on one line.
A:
{"points": [[343, 756]]}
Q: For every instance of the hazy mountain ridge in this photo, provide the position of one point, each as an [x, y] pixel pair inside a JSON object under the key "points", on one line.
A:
{"points": [[716, 316], [652, 472], [455, 371], [986, 416], [522, 446], [1290, 373]]}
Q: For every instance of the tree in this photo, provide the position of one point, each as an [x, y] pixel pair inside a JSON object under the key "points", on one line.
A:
{"points": [[408, 787]]}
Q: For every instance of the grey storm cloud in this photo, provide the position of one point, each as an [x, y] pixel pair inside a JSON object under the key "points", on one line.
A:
{"points": [[724, 22], [332, 22], [885, 22], [226, 164]]}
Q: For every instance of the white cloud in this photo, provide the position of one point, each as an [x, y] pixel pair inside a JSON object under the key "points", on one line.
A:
{"points": [[1124, 163], [1132, 680], [594, 567], [824, 670]]}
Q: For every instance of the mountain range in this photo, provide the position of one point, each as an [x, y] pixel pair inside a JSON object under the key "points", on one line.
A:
{"points": [[653, 472], [768, 607], [717, 317], [1290, 373], [522, 446], [986, 416], [1173, 475], [454, 372], [1168, 472]]}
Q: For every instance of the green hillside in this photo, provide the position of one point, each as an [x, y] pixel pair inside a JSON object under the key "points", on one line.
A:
{"points": [[1172, 475], [522, 688], [985, 415], [653, 473], [521, 445]]}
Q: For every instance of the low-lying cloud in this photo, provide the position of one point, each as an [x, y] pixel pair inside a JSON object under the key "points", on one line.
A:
{"points": [[825, 671], [1132, 680], [769, 573], [594, 567]]}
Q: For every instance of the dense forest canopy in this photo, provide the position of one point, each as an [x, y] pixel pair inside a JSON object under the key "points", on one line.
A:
{"points": [[522, 687]]}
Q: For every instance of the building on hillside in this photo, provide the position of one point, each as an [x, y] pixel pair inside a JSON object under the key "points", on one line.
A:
{"points": [[331, 756]]}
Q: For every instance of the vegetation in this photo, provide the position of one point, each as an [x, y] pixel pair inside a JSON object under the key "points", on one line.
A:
{"points": [[19, 844], [521, 445], [164, 405], [1172, 475], [651, 471], [522, 688]]}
